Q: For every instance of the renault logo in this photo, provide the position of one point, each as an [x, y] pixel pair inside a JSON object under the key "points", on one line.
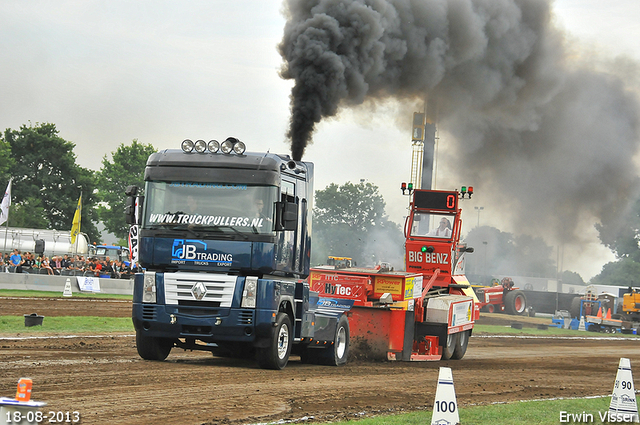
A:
{"points": [[199, 291]]}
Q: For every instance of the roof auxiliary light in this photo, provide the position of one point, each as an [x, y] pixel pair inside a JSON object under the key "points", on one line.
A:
{"points": [[227, 146], [231, 145], [239, 147], [200, 146], [187, 145], [214, 146]]}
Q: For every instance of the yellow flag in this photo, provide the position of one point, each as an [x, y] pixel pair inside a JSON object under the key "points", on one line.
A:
{"points": [[75, 228]]}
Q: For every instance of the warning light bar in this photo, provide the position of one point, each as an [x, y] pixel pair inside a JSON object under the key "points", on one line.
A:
{"points": [[404, 187], [466, 190]]}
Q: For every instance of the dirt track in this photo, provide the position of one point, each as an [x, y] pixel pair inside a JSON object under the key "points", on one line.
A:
{"points": [[104, 379]]}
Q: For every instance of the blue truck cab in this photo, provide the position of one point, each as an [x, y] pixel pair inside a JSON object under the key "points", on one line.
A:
{"points": [[224, 241]]}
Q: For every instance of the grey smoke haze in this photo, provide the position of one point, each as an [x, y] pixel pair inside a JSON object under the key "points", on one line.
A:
{"points": [[549, 139]]}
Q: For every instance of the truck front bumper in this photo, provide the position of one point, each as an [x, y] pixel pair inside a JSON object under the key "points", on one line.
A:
{"points": [[226, 324]]}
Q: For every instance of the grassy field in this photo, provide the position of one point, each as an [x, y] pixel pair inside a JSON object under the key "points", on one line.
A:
{"points": [[54, 294], [542, 412], [507, 330], [11, 325]]}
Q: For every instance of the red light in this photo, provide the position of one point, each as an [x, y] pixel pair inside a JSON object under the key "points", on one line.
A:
{"points": [[403, 186], [470, 190]]}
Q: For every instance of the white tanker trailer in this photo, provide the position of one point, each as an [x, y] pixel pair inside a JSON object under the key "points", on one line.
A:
{"points": [[56, 242]]}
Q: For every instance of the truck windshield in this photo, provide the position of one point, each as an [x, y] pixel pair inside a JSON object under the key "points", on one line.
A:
{"points": [[225, 207]]}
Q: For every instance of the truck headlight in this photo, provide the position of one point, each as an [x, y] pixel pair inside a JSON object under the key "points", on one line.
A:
{"points": [[249, 292], [149, 287]]}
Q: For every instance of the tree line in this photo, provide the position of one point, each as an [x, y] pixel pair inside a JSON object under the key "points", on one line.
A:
{"points": [[47, 181]]}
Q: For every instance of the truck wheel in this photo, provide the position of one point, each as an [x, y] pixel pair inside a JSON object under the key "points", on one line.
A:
{"points": [[515, 303], [449, 347], [461, 345], [337, 353], [490, 308], [277, 354], [152, 348]]}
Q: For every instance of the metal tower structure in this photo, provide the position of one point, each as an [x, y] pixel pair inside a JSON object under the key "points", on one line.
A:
{"points": [[423, 140]]}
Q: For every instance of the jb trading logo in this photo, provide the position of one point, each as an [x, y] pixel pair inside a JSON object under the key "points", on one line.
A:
{"points": [[185, 249], [195, 252]]}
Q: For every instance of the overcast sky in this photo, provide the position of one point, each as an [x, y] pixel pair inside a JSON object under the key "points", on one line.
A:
{"points": [[108, 72]]}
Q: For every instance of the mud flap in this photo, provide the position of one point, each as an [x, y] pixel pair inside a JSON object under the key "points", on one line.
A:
{"points": [[409, 333]]}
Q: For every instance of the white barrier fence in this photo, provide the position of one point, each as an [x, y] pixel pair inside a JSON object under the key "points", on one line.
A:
{"points": [[38, 282]]}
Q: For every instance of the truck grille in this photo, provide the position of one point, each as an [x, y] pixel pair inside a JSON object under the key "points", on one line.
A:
{"points": [[179, 289]]}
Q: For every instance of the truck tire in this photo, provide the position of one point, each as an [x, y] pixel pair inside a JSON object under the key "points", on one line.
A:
{"points": [[277, 354], [515, 303], [449, 347], [490, 308], [152, 348], [338, 352], [461, 345]]}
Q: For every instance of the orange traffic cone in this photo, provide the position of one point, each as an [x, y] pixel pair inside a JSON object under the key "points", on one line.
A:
{"points": [[608, 314], [599, 316]]}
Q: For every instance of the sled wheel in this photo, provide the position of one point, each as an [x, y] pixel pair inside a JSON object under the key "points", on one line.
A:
{"points": [[449, 347], [461, 345]]}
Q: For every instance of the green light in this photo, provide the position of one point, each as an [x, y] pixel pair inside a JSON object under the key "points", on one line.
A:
{"points": [[423, 249], [410, 186], [464, 189]]}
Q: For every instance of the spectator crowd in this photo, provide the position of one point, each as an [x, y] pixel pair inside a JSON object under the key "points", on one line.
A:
{"points": [[66, 265]]}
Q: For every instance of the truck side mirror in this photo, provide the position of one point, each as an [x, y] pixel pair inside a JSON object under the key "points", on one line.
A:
{"points": [[130, 210], [133, 204], [131, 190], [286, 215]]}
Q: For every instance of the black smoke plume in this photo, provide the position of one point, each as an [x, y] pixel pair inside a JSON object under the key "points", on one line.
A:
{"points": [[548, 139]]}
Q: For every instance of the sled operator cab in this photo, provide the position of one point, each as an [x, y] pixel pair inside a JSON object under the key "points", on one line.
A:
{"points": [[432, 233]]}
